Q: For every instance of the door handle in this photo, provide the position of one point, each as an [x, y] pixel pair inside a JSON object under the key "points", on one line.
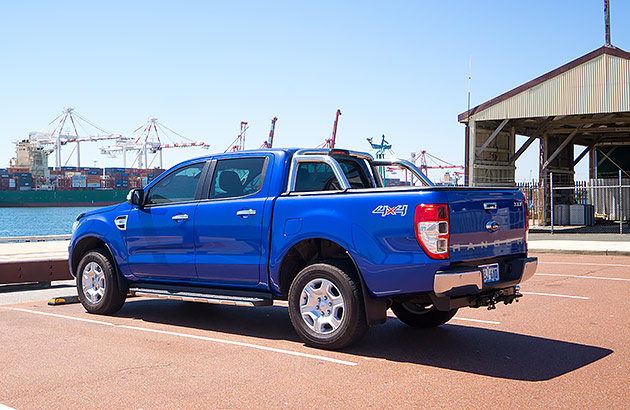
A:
{"points": [[244, 213], [180, 217]]}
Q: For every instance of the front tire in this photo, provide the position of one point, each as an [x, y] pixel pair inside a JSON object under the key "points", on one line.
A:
{"points": [[326, 306], [417, 315], [97, 284]]}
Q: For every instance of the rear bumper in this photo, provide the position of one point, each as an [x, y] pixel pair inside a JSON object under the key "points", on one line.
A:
{"points": [[469, 281]]}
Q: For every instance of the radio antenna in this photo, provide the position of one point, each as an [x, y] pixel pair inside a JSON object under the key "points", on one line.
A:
{"points": [[607, 17]]}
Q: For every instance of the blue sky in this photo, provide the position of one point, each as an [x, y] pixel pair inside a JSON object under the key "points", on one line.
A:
{"points": [[398, 68]]}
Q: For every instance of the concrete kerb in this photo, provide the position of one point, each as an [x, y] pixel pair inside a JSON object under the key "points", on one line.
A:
{"points": [[579, 247]]}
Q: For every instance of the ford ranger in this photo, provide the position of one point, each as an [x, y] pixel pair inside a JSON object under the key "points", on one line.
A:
{"points": [[317, 228]]}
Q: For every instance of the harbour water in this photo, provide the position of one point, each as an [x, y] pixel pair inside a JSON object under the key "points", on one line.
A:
{"points": [[39, 221]]}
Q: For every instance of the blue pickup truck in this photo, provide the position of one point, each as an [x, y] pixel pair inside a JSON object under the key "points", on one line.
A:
{"points": [[317, 228]]}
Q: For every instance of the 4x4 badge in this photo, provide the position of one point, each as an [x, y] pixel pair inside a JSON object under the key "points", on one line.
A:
{"points": [[385, 210]]}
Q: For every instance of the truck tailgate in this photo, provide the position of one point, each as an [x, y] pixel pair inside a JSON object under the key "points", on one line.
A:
{"points": [[486, 224]]}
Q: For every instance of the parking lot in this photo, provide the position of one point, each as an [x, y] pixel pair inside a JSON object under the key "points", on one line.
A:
{"points": [[564, 345]]}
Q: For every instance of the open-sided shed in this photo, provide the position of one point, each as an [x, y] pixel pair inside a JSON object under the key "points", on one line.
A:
{"points": [[585, 102]]}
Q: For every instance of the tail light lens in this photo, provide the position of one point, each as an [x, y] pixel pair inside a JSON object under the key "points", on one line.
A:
{"points": [[432, 229]]}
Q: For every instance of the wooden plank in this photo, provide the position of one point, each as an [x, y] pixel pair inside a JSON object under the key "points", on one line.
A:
{"points": [[34, 271], [539, 131], [586, 151], [492, 137], [561, 147]]}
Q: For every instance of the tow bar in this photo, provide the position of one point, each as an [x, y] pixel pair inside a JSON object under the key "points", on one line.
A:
{"points": [[492, 299]]}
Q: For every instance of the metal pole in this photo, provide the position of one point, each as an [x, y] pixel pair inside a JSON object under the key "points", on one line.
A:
{"points": [[551, 195], [607, 21], [620, 206]]}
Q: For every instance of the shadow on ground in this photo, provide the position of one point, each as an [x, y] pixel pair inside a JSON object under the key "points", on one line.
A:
{"points": [[24, 287], [597, 229], [474, 350]]}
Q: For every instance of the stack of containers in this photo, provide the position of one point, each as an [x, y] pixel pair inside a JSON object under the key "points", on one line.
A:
{"points": [[24, 180], [7, 183], [93, 177], [73, 178], [129, 178]]}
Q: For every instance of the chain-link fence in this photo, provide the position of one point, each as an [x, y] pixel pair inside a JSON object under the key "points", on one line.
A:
{"points": [[598, 205]]}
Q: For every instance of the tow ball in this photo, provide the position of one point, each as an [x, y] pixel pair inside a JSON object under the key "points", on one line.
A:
{"points": [[500, 296]]}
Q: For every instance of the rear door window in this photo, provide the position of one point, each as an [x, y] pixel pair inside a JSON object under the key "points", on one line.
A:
{"points": [[237, 177]]}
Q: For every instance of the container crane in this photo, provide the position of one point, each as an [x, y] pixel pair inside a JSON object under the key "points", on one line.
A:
{"points": [[272, 131], [239, 143], [439, 163], [61, 136], [381, 148], [330, 142], [148, 142]]}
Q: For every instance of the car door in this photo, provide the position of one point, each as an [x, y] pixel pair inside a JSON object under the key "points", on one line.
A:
{"points": [[229, 224], [160, 240]]}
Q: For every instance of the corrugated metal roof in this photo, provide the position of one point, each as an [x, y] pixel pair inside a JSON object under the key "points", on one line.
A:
{"points": [[598, 82]]}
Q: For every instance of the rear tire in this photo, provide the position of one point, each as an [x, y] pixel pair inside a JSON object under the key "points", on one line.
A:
{"points": [[326, 306], [97, 284], [416, 315]]}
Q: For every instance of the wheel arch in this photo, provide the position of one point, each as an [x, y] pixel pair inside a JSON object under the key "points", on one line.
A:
{"points": [[313, 250], [85, 245], [88, 243]]}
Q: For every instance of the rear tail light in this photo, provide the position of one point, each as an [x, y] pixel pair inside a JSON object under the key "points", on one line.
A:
{"points": [[432, 230]]}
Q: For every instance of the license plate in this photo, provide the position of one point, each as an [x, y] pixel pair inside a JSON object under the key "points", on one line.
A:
{"points": [[490, 272]]}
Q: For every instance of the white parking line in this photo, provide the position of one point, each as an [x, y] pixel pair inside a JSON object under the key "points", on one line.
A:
{"points": [[209, 339], [3, 407], [558, 296], [582, 277], [477, 320], [586, 264]]}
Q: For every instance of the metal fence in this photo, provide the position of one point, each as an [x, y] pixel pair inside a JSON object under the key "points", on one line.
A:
{"points": [[534, 193], [603, 204]]}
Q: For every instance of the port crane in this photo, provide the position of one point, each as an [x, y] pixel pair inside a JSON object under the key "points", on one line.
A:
{"points": [[66, 132], [272, 131], [381, 149], [239, 143], [330, 142], [148, 142], [439, 163]]}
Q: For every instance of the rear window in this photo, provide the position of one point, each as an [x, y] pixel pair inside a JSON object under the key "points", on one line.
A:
{"points": [[355, 173], [315, 176], [319, 176]]}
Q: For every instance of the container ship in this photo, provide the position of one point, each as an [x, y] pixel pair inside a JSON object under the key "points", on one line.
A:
{"points": [[29, 182]]}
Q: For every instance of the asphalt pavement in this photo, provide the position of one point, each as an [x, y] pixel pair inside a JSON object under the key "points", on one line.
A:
{"points": [[563, 346]]}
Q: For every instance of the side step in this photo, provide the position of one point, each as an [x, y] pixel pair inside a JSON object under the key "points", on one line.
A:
{"points": [[214, 296]]}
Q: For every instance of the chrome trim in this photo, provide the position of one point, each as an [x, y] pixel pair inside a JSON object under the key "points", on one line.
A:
{"points": [[490, 206], [492, 226], [445, 282], [316, 158], [215, 301], [121, 222], [180, 217], [246, 212], [407, 164], [529, 270], [324, 151]]}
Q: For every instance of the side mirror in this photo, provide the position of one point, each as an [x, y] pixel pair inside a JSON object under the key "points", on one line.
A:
{"points": [[136, 197]]}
